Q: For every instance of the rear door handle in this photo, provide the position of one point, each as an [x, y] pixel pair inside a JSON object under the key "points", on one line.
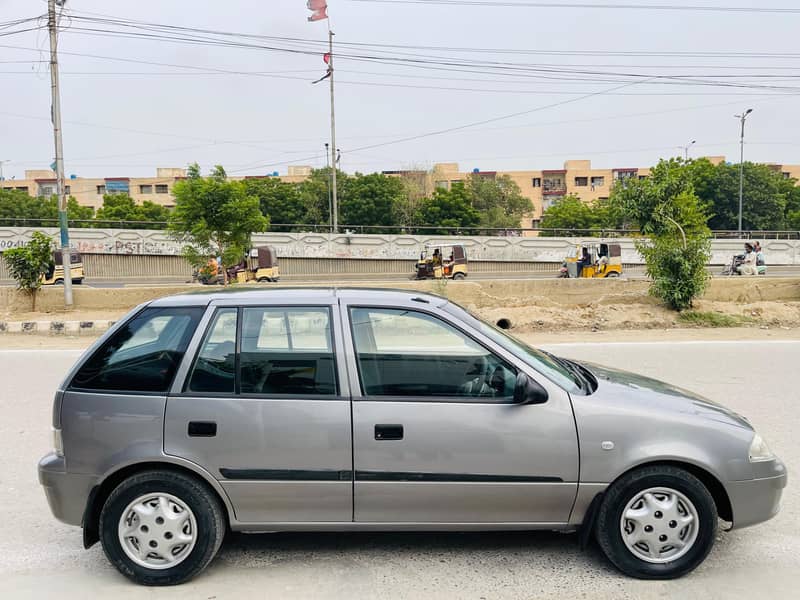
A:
{"points": [[388, 432], [202, 429]]}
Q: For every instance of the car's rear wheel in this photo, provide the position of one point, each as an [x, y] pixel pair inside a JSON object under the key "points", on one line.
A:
{"points": [[459, 276], [657, 522], [161, 527]]}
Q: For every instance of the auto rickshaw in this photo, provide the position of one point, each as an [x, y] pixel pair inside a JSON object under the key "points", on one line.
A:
{"points": [[260, 265], [605, 260], [442, 261], [55, 272]]}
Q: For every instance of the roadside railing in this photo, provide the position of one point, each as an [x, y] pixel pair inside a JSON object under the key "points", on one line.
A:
{"points": [[408, 229]]}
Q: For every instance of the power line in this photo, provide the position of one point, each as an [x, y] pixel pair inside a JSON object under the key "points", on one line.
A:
{"points": [[585, 5]]}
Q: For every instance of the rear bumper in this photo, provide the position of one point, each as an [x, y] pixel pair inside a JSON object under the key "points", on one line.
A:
{"points": [[67, 493], [757, 500]]}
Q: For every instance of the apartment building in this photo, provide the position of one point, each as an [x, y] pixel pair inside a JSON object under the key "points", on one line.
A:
{"points": [[543, 187]]}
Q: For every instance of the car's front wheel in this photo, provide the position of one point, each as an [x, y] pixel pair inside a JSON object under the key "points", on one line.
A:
{"points": [[161, 527], [657, 522]]}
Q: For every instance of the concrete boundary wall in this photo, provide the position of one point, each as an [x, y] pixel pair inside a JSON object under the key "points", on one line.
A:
{"points": [[479, 294], [378, 247]]}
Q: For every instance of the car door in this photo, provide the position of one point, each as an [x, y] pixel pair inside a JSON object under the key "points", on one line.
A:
{"points": [[261, 407], [437, 436]]}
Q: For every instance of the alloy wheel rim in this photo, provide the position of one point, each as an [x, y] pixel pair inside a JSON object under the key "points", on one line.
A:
{"points": [[659, 525], [157, 531]]}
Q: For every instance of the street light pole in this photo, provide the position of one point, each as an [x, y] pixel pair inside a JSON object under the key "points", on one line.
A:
{"points": [[2, 162], [686, 149], [66, 259], [742, 117]]}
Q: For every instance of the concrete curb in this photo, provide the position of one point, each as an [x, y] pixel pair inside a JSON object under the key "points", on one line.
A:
{"points": [[56, 327]]}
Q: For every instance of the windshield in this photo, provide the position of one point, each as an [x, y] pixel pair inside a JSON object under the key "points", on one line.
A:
{"points": [[544, 363]]}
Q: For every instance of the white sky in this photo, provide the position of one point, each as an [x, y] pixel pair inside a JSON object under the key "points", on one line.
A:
{"points": [[258, 124]]}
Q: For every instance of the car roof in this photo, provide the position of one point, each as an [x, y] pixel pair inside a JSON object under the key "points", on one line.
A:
{"points": [[310, 294]]}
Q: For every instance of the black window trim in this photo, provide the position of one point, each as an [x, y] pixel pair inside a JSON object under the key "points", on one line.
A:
{"points": [[70, 387], [469, 400], [238, 394]]}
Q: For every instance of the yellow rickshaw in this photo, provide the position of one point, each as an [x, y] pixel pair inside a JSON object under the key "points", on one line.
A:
{"points": [[260, 265], [595, 260], [55, 273], [442, 261]]}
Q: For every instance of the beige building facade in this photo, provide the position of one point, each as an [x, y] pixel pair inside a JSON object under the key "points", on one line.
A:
{"points": [[542, 187]]}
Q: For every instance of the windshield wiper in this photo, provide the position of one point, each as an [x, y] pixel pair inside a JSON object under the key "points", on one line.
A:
{"points": [[573, 369]]}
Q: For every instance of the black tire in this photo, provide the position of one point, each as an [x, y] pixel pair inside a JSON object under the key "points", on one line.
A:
{"points": [[613, 274], [459, 276], [209, 514], [621, 492]]}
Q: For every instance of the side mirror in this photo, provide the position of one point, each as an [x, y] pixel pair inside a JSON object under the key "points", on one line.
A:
{"points": [[528, 391]]}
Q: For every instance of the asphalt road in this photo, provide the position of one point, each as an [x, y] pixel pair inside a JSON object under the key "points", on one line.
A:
{"points": [[41, 558]]}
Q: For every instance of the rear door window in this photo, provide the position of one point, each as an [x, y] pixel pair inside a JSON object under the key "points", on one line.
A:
{"points": [[287, 350], [215, 367], [144, 354]]}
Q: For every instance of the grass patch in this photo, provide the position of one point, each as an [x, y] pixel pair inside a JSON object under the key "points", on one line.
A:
{"points": [[712, 319]]}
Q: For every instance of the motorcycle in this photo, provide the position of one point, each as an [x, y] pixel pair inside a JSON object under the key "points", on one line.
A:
{"points": [[737, 261]]}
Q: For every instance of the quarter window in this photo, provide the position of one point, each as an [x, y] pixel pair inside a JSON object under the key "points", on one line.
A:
{"points": [[409, 353], [287, 351], [144, 354], [215, 366]]}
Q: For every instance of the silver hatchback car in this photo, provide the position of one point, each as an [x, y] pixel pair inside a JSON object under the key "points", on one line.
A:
{"points": [[344, 410]]}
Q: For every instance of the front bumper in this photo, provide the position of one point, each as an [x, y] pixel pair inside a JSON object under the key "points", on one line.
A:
{"points": [[758, 500], [67, 493]]}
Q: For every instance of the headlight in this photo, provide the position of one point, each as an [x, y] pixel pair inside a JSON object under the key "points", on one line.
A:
{"points": [[58, 442], [759, 451]]}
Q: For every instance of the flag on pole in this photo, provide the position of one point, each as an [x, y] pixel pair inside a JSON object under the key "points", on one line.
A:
{"points": [[327, 58], [318, 8]]}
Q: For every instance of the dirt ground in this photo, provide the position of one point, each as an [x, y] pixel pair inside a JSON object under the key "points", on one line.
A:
{"points": [[594, 317]]}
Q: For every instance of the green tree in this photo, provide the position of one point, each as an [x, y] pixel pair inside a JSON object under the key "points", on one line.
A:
{"points": [[765, 197], [27, 264], [279, 200], [315, 197], [572, 213], [567, 213], [498, 200], [121, 211], [448, 210], [18, 208], [665, 207], [214, 217], [373, 199]]}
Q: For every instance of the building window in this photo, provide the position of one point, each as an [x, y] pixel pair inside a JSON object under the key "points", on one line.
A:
{"points": [[787, 175], [581, 181], [598, 181], [45, 191], [554, 185], [101, 189], [642, 177], [537, 182], [67, 190], [442, 185], [21, 189], [162, 188], [535, 223], [145, 189]]}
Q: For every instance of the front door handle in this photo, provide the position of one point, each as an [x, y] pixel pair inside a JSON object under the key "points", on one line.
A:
{"points": [[388, 432]]}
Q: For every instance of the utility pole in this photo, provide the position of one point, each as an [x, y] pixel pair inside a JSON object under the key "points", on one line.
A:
{"points": [[66, 258], [334, 195], [741, 118], [330, 187]]}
